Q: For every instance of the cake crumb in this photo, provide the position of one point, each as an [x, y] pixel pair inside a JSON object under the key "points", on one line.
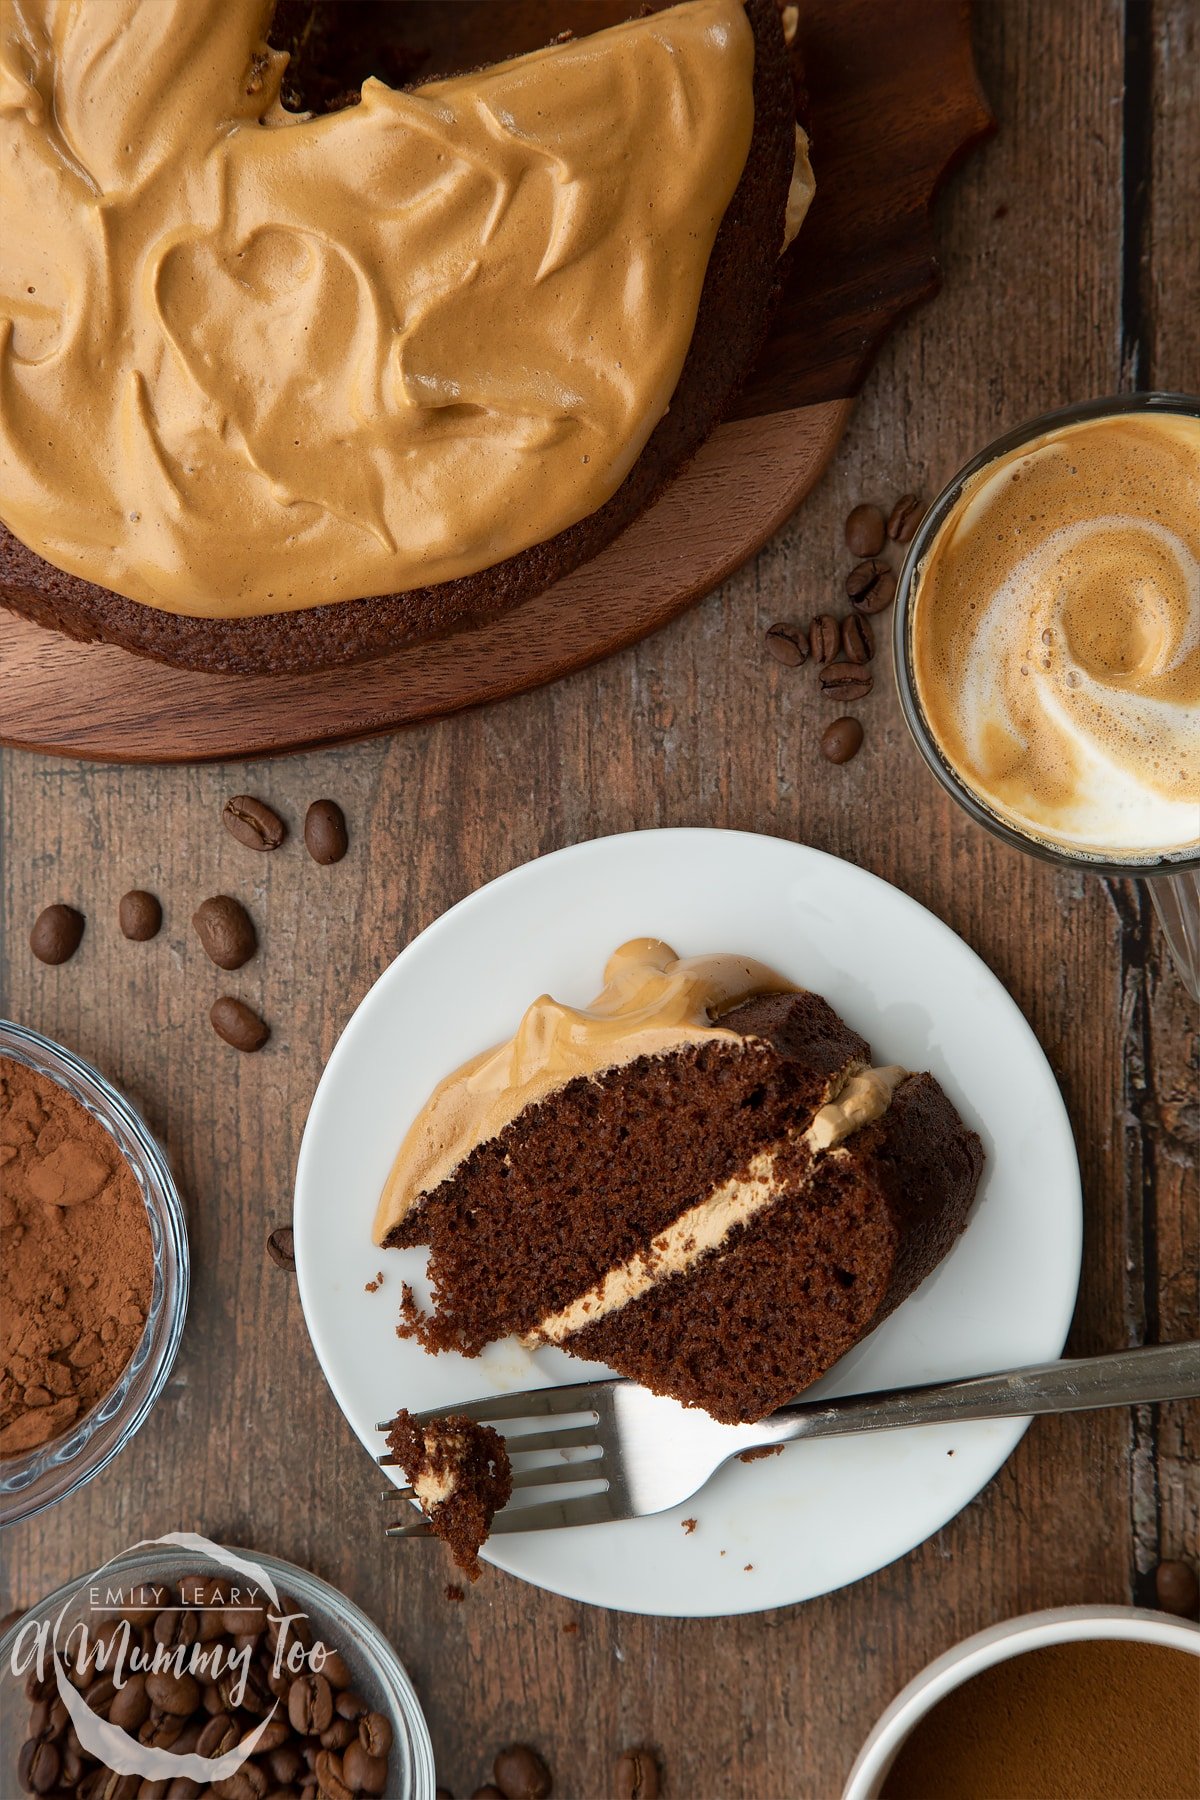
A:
{"points": [[722, 1553], [747, 1568], [571, 1627], [373, 1287], [689, 1525], [749, 1456], [454, 1592]]}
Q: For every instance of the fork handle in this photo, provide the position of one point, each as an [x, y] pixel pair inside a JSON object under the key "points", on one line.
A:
{"points": [[1125, 1378]]}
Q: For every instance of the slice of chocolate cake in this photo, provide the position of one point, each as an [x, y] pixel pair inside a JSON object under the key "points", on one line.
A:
{"points": [[698, 1180], [460, 1475]]}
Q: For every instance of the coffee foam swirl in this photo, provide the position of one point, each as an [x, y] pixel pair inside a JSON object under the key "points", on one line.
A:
{"points": [[1056, 636]]}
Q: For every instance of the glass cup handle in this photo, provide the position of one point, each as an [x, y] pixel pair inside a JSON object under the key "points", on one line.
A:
{"points": [[1177, 902]]}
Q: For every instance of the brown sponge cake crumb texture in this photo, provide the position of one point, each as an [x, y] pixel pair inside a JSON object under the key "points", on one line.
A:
{"points": [[579, 1184], [474, 1458], [739, 296]]}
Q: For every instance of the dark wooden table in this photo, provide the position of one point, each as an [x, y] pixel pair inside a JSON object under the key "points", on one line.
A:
{"points": [[1071, 248]]}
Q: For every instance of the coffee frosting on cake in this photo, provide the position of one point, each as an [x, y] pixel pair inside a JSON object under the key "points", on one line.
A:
{"points": [[652, 1002], [254, 361], [1056, 634]]}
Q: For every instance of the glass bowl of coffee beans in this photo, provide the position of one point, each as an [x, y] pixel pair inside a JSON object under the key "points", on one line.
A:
{"points": [[95, 1274], [184, 1668]]}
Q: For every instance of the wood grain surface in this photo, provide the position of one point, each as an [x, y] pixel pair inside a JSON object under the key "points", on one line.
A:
{"points": [[1070, 254], [893, 102]]}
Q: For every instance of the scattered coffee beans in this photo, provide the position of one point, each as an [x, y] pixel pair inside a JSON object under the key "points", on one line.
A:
{"points": [[487, 1792], [858, 640], [325, 832], [57, 933], [865, 531], [904, 518], [636, 1776], [201, 1708], [520, 1773], [226, 931], [253, 823], [1177, 1589], [788, 644], [845, 681], [139, 916], [824, 637], [841, 740], [871, 586], [234, 1021]]}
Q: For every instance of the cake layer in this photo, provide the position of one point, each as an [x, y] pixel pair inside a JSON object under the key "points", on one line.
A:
{"points": [[848, 1234], [587, 1178], [460, 1475]]}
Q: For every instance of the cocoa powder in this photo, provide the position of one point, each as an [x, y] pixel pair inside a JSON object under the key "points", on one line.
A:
{"points": [[76, 1262]]}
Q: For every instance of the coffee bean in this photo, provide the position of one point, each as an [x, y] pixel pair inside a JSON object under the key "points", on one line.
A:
{"points": [[44, 1766], [824, 636], [173, 1628], [161, 1728], [274, 1735], [325, 832], [98, 1696], [244, 1621], [144, 1602], [329, 1777], [56, 935], [177, 1695], [253, 823], [338, 1733], [238, 1025], [1177, 1589], [858, 640], [442, 1793], [247, 1783], [336, 1669], [841, 740], [845, 681], [520, 1773], [310, 1704], [865, 531], [487, 1792], [349, 1705], [284, 1765], [363, 1773], [788, 644], [871, 586], [139, 915], [131, 1704], [226, 931], [281, 1248], [220, 1733], [375, 1733], [184, 1788], [904, 518], [637, 1776]]}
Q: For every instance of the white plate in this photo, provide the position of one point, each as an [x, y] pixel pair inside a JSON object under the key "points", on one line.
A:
{"points": [[818, 1515]]}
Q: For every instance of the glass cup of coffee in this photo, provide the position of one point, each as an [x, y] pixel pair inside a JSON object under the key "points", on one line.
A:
{"points": [[1048, 645]]}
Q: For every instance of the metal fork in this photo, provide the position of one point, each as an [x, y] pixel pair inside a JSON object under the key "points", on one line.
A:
{"points": [[638, 1453]]}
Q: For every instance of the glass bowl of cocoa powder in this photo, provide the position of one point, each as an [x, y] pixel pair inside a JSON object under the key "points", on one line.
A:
{"points": [[94, 1272]]}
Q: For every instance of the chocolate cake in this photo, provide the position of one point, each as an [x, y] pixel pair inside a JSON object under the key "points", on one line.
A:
{"points": [[459, 1473], [716, 1195], [332, 49]]}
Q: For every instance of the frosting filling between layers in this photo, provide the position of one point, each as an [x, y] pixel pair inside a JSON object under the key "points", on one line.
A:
{"points": [[652, 1003], [253, 362], [863, 1097]]}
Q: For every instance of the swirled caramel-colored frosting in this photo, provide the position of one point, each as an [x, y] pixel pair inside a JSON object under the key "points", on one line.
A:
{"points": [[1055, 636], [251, 361], [652, 1002]]}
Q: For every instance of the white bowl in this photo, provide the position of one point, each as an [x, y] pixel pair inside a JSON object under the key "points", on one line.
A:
{"points": [[1012, 1637]]}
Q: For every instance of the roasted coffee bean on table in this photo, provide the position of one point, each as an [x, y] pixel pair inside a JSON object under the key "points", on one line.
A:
{"points": [[846, 681], [238, 1024], [253, 823], [520, 1773], [139, 915], [226, 931], [1177, 1589], [871, 586], [841, 740], [636, 1776], [858, 640], [865, 531], [904, 518], [57, 933], [824, 637], [788, 644], [325, 832], [185, 1709]]}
